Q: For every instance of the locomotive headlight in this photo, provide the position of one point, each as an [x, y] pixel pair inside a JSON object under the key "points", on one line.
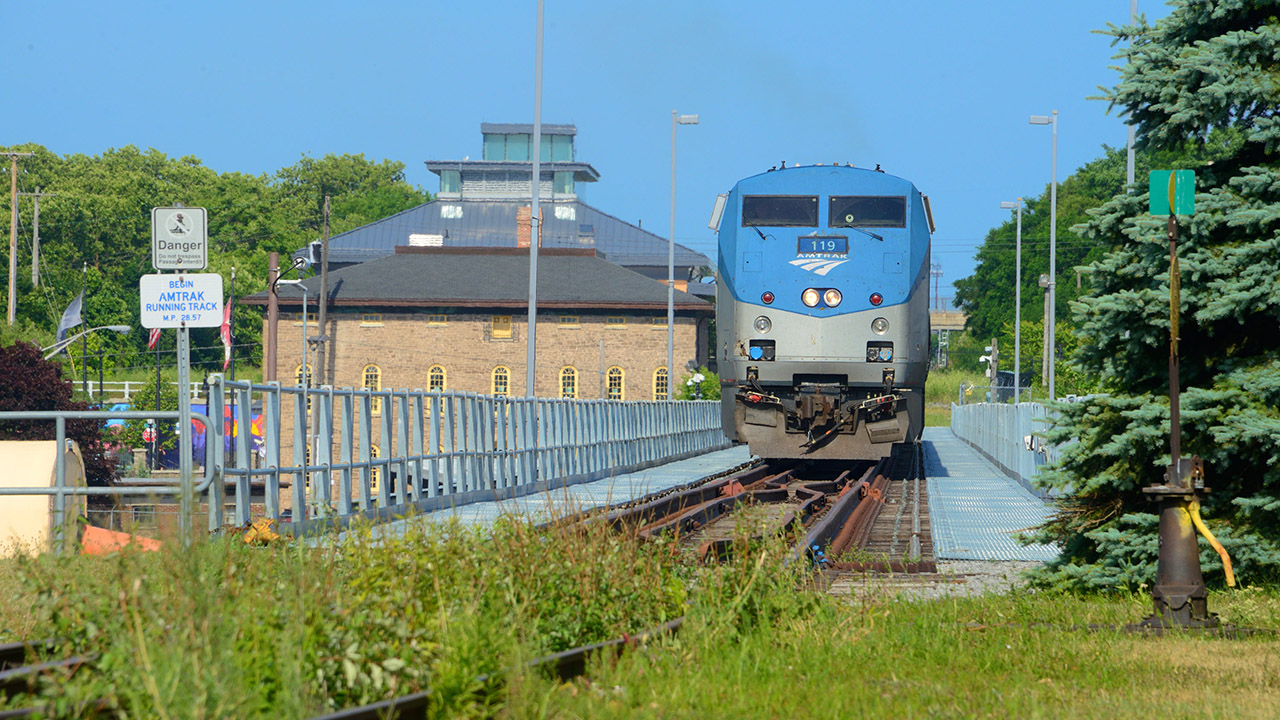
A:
{"points": [[879, 326], [832, 297], [810, 297], [763, 324]]}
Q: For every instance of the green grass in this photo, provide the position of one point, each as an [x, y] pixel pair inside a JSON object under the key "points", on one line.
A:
{"points": [[943, 386], [227, 630], [986, 657], [937, 416]]}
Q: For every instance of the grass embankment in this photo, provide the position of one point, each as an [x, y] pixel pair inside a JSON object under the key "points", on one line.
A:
{"points": [[941, 390], [286, 631]]}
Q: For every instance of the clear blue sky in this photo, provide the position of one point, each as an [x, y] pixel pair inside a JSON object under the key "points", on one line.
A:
{"points": [[935, 91]]}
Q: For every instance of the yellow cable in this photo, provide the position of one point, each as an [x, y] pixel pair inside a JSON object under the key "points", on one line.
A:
{"points": [[1194, 508]]}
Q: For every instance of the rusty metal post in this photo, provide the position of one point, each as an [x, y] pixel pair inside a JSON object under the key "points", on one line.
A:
{"points": [[1179, 598]]}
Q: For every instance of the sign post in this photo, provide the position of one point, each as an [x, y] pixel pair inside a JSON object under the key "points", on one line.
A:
{"points": [[182, 301], [1179, 597]]}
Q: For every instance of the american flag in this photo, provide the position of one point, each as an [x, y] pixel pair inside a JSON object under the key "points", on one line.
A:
{"points": [[153, 338]]}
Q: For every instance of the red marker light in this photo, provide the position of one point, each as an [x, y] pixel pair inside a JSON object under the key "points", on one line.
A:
{"points": [[767, 297], [876, 298]]}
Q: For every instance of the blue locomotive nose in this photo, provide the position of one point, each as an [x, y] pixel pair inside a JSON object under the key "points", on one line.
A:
{"points": [[756, 352]]}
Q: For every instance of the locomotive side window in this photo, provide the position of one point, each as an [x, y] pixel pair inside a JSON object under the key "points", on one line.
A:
{"points": [[780, 210], [877, 211]]}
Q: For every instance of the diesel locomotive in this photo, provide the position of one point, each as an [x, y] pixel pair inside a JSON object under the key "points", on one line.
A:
{"points": [[822, 311]]}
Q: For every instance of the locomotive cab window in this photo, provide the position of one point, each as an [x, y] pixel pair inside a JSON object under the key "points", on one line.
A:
{"points": [[780, 210], [872, 211]]}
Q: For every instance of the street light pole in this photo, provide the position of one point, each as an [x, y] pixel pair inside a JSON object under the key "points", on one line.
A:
{"points": [[535, 217], [1017, 305], [1053, 247], [676, 119]]}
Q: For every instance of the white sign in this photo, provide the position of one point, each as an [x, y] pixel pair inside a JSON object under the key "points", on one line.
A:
{"points": [[174, 301], [179, 238]]}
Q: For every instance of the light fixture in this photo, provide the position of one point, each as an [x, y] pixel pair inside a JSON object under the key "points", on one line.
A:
{"points": [[880, 326], [763, 324], [767, 297], [832, 297], [810, 297], [876, 299]]}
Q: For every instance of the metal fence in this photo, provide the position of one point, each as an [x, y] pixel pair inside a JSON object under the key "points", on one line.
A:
{"points": [[1011, 436], [434, 449], [122, 390]]}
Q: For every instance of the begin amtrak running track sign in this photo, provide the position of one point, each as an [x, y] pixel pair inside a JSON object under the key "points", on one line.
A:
{"points": [[174, 301]]}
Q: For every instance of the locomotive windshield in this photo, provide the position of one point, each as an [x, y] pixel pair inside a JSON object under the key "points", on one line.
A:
{"points": [[780, 210], [858, 211]]}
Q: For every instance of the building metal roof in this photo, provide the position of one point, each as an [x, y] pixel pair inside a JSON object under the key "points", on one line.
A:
{"points": [[492, 223], [526, 128], [491, 277]]}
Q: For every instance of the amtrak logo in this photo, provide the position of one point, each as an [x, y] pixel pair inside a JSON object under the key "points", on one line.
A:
{"points": [[818, 266]]}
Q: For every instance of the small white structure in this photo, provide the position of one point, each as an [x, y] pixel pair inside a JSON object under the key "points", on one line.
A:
{"points": [[26, 521]]}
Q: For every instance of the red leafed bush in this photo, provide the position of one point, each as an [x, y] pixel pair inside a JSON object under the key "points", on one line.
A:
{"points": [[29, 382]]}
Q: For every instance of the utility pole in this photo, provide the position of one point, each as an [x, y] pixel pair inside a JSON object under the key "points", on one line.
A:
{"points": [[273, 318], [35, 234], [13, 233], [936, 271], [324, 298]]}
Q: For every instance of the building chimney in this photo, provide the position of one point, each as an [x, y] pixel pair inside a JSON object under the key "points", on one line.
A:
{"points": [[524, 227]]}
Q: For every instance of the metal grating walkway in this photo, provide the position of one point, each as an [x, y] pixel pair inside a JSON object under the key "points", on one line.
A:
{"points": [[975, 509]]}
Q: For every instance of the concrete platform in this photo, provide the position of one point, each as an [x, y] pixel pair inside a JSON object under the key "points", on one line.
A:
{"points": [[584, 496], [976, 509]]}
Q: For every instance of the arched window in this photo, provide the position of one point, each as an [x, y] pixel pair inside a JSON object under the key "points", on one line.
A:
{"points": [[436, 378], [375, 473], [373, 381], [661, 384], [568, 382], [501, 381], [613, 386]]}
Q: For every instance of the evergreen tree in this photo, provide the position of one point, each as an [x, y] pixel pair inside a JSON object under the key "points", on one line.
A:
{"points": [[1200, 85]]}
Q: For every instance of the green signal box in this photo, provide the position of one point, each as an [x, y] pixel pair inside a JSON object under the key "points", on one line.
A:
{"points": [[1176, 187]]}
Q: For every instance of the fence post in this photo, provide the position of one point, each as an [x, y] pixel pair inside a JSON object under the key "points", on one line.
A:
{"points": [[435, 445], [366, 442], [215, 451], [345, 435], [271, 444], [59, 485], [300, 446], [243, 430], [415, 433], [401, 402], [323, 490]]}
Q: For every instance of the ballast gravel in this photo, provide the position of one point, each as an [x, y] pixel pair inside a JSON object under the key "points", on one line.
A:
{"points": [[955, 578]]}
